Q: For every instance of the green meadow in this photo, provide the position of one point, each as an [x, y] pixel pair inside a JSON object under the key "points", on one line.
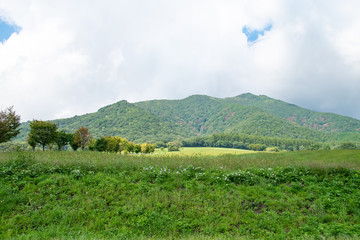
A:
{"points": [[207, 151], [187, 195]]}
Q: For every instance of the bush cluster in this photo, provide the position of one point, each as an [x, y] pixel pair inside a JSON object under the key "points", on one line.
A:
{"points": [[118, 144]]}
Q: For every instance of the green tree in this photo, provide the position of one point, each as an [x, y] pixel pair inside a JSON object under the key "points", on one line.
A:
{"points": [[112, 144], [147, 148], [240, 145], [32, 143], [92, 144], [124, 144], [314, 147], [137, 148], [101, 144], [257, 147], [74, 145], [82, 137], [348, 145], [9, 124], [160, 144], [62, 139], [130, 147], [174, 146], [43, 133]]}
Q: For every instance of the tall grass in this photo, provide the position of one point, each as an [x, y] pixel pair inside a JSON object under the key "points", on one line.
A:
{"points": [[316, 159], [91, 195]]}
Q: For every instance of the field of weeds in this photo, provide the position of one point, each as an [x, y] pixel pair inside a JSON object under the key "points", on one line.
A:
{"points": [[91, 195]]}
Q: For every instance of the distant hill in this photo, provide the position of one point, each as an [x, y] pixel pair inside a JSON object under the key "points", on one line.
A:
{"points": [[200, 115]]}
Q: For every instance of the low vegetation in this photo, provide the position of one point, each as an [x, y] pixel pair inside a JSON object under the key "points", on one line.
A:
{"points": [[98, 195], [200, 151]]}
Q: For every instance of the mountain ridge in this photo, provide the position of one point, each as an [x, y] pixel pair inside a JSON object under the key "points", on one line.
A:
{"points": [[199, 115]]}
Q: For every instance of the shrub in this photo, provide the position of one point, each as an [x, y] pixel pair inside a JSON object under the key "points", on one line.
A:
{"points": [[101, 144], [174, 146], [348, 145], [257, 147]]}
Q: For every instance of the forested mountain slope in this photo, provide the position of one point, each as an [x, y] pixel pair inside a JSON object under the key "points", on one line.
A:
{"points": [[201, 115], [327, 122]]}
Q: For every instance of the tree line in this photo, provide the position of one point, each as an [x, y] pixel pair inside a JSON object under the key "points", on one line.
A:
{"points": [[46, 134], [119, 144], [252, 142]]}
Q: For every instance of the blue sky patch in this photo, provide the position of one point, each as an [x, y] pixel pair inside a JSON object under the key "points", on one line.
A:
{"points": [[7, 29], [253, 34]]}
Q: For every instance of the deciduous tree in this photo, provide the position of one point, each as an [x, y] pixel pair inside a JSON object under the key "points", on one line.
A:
{"points": [[174, 146], [147, 148], [62, 139], [101, 144], [9, 124], [82, 137], [348, 145], [137, 148], [74, 145], [32, 143], [43, 133]]}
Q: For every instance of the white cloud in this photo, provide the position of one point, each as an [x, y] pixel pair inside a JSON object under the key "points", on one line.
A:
{"points": [[74, 57]]}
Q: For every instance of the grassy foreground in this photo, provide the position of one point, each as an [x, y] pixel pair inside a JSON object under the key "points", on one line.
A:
{"points": [[91, 195]]}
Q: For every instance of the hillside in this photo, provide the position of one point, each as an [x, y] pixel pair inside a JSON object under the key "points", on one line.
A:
{"points": [[327, 122], [200, 115]]}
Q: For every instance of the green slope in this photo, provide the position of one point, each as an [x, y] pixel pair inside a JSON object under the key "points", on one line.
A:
{"points": [[200, 115], [327, 122], [122, 119], [192, 113], [204, 115]]}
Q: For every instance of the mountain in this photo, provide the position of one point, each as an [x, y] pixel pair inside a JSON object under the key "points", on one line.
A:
{"points": [[340, 127], [200, 115]]}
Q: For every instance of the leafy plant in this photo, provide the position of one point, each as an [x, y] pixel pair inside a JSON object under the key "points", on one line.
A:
{"points": [[9, 124]]}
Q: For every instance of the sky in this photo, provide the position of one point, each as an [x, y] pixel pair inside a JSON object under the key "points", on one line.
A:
{"points": [[66, 58]]}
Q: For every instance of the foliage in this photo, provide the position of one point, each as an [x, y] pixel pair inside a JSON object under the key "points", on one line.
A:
{"points": [[32, 143], [348, 145], [161, 121], [243, 141], [82, 137], [147, 148], [9, 124], [116, 144], [273, 149], [91, 195], [257, 147], [43, 133], [101, 144], [113, 144], [74, 144], [160, 144], [62, 139], [314, 146], [137, 148], [325, 122], [174, 146], [91, 144]]}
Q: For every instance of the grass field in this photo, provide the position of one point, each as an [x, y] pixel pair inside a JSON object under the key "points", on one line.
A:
{"points": [[91, 195], [207, 151]]}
